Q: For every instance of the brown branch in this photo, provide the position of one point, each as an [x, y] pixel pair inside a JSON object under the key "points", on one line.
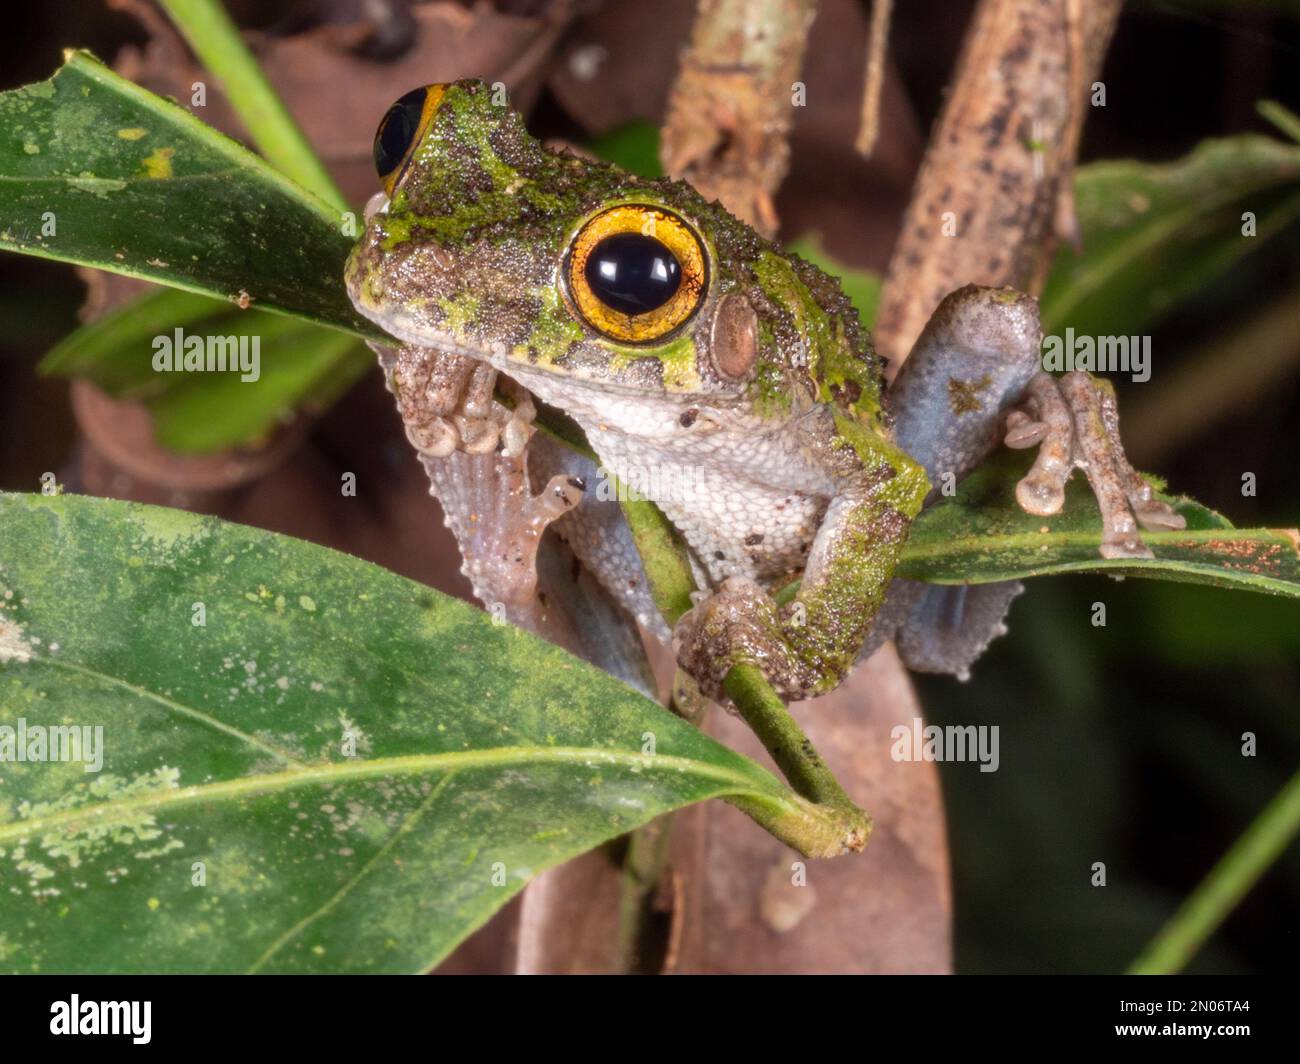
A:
{"points": [[731, 107], [869, 129], [994, 191]]}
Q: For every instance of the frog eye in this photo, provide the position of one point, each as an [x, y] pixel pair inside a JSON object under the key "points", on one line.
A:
{"points": [[400, 132], [636, 273]]}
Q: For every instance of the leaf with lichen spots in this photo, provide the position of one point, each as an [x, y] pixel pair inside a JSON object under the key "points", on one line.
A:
{"points": [[362, 769], [981, 535], [137, 185]]}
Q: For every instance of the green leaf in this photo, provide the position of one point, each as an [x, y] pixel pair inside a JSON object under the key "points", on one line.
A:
{"points": [[1153, 234], [217, 42], [115, 351], [981, 535], [299, 365], [137, 185], [634, 147], [483, 754]]}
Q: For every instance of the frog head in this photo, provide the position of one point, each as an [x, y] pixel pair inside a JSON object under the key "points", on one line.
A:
{"points": [[581, 280]]}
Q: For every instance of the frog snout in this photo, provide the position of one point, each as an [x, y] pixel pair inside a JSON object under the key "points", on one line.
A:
{"points": [[376, 204]]}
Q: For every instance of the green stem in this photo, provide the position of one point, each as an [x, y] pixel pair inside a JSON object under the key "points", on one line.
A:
{"points": [[663, 553], [216, 41], [826, 822], [793, 752], [1286, 120], [1228, 882], [811, 829]]}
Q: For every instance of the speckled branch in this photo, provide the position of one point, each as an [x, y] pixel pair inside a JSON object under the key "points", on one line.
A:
{"points": [[730, 110], [995, 188]]}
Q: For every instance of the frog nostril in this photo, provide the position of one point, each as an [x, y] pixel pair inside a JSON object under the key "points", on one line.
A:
{"points": [[376, 204]]}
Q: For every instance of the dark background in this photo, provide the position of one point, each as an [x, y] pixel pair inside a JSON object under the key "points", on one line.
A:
{"points": [[1119, 744]]}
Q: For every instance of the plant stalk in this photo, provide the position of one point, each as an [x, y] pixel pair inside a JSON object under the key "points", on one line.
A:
{"points": [[216, 41], [1228, 882]]}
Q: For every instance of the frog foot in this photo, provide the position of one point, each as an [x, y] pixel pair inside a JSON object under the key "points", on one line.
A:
{"points": [[1075, 423], [739, 623], [498, 522], [447, 405]]}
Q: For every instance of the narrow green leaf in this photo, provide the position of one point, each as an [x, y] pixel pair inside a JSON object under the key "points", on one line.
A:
{"points": [[1281, 116], [135, 184], [1153, 234], [204, 413], [115, 350], [980, 535], [216, 40], [298, 365], [229, 830]]}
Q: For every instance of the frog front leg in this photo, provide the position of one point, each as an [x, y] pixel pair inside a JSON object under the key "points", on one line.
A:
{"points": [[447, 403], [474, 450], [807, 646]]}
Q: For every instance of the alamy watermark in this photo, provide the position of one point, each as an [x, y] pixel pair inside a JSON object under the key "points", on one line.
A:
{"points": [[58, 742], [921, 742], [664, 482], [102, 1017], [1098, 354], [179, 353]]}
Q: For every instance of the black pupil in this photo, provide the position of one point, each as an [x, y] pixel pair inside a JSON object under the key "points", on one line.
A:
{"points": [[632, 273], [397, 131]]}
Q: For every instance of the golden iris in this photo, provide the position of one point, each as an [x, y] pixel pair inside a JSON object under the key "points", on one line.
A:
{"points": [[401, 130], [635, 273]]}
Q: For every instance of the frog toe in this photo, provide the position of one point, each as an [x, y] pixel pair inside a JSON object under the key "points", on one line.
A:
{"points": [[478, 435], [1075, 423], [434, 438], [737, 624]]}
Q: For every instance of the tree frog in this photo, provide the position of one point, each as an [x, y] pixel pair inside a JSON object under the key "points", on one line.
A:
{"points": [[729, 382]]}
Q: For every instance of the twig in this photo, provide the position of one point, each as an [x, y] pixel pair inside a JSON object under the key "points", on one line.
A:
{"points": [[731, 106], [995, 183], [869, 129]]}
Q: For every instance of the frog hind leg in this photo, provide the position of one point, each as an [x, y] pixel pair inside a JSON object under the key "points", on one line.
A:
{"points": [[970, 366], [942, 628], [807, 647], [977, 367]]}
